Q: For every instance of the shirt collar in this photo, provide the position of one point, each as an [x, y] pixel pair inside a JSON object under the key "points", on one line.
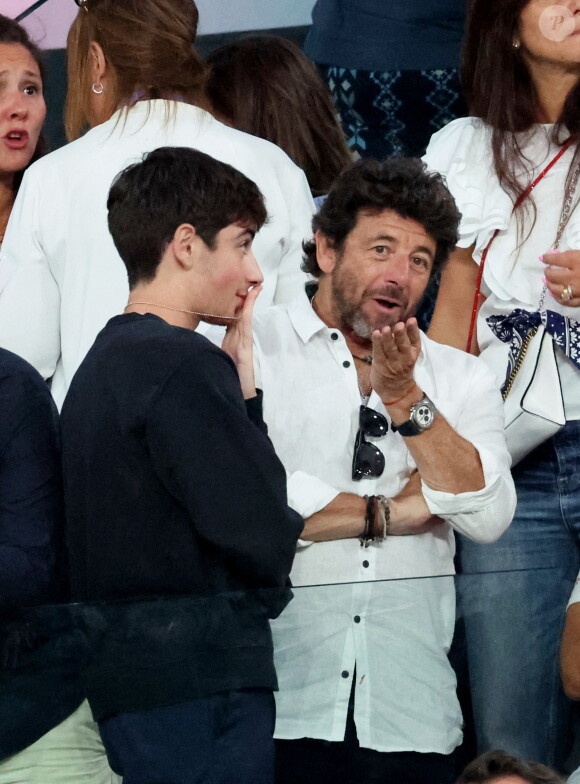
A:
{"points": [[304, 318], [307, 323]]}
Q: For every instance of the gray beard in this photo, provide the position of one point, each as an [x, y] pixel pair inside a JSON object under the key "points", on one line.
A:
{"points": [[352, 317]]}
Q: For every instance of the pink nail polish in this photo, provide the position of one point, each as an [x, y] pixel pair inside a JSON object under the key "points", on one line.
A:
{"points": [[544, 280], [541, 258]]}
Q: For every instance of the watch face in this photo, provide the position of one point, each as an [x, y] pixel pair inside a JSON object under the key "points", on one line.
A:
{"points": [[423, 415]]}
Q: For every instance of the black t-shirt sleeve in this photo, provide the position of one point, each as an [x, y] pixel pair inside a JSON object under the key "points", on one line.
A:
{"points": [[221, 466]]}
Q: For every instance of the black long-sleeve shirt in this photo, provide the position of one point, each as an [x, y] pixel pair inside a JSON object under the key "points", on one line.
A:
{"points": [[40, 652], [31, 515], [172, 489]]}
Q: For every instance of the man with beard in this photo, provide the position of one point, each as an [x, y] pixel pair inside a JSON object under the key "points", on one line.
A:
{"points": [[390, 442]]}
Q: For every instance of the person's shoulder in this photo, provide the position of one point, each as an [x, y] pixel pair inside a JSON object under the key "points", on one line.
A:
{"points": [[22, 392], [17, 373], [261, 149], [133, 336], [466, 140]]}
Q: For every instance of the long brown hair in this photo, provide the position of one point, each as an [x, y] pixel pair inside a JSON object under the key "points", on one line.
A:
{"points": [[12, 33], [499, 89], [266, 86], [148, 44]]}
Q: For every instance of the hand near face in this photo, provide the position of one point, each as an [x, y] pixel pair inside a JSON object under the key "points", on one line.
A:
{"points": [[238, 343], [395, 352], [563, 270]]}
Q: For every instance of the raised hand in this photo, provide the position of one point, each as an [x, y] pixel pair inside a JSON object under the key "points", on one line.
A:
{"points": [[238, 343], [395, 352]]}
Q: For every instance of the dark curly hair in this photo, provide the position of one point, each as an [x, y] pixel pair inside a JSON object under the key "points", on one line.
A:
{"points": [[490, 766], [400, 184]]}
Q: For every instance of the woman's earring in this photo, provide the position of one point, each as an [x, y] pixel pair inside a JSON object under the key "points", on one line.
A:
{"points": [[515, 44], [98, 88]]}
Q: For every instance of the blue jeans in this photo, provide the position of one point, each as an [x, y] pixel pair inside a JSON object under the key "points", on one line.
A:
{"points": [[513, 597], [220, 739]]}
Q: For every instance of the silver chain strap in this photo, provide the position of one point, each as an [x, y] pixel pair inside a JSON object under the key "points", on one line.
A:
{"points": [[564, 218]]}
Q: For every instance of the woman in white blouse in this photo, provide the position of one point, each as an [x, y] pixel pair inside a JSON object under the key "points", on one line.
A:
{"points": [[22, 110], [521, 73], [136, 81]]}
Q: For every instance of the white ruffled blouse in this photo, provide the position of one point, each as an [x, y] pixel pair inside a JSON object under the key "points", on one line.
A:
{"points": [[513, 273]]}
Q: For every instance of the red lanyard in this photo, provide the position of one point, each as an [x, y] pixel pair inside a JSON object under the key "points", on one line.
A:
{"points": [[520, 200]]}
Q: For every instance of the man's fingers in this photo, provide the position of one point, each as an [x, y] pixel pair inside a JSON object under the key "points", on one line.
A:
{"points": [[414, 333], [402, 338]]}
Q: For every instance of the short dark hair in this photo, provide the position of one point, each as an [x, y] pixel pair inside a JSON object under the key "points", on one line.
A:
{"points": [[171, 186], [400, 184], [494, 764]]}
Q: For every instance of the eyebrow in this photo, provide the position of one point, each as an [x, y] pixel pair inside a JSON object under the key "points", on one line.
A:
{"points": [[30, 74], [246, 230], [418, 249]]}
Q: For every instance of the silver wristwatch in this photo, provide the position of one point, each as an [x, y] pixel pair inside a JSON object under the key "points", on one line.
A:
{"points": [[421, 417]]}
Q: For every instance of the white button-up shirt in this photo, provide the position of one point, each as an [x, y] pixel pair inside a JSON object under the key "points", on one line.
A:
{"points": [[388, 609]]}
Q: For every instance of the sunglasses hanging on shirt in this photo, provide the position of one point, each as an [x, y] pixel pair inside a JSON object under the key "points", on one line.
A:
{"points": [[367, 459]]}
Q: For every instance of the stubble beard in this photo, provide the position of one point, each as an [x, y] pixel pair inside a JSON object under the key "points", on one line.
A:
{"points": [[351, 314]]}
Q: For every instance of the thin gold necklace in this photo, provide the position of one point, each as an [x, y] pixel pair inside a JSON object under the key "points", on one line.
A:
{"points": [[180, 310]]}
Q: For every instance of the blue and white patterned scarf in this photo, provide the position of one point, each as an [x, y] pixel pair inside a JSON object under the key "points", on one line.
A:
{"points": [[514, 327]]}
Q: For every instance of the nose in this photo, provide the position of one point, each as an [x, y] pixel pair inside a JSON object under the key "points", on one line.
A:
{"points": [[397, 270], [16, 105], [253, 271]]}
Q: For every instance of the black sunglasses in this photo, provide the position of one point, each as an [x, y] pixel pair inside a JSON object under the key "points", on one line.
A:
{"points": [[367, 459]]}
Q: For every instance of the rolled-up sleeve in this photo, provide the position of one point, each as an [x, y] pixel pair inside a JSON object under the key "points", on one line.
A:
{"points": [[485, 514], [307, 494]]}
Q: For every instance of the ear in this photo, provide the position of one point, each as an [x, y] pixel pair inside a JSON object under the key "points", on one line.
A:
{"points": [[98, 62], [326, 255], [185, 245]]}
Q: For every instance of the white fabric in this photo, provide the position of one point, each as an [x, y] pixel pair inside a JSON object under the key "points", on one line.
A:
{"points": [[574, 778], [71, 753], [512, 277], [68, 279], [405, 693], [575, 595]]}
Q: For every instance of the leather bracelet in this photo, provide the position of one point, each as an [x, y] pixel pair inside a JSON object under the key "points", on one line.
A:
{"points": [[398, 400], [377, 520], [367, 535]]}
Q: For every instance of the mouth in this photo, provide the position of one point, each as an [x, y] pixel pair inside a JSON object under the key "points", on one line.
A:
{"points": [[16, 140], [386, 304]]}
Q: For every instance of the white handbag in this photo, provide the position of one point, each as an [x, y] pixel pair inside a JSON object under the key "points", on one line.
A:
{"points": [[533, 402]]}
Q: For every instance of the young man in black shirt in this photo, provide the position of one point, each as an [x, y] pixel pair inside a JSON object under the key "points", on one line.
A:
{"points": [[179, 533]]}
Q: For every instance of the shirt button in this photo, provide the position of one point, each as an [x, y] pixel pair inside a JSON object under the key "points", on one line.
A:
{"points": [[366, 564], [334, 335], [357, 618], [346, 363], [345, 673]]}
